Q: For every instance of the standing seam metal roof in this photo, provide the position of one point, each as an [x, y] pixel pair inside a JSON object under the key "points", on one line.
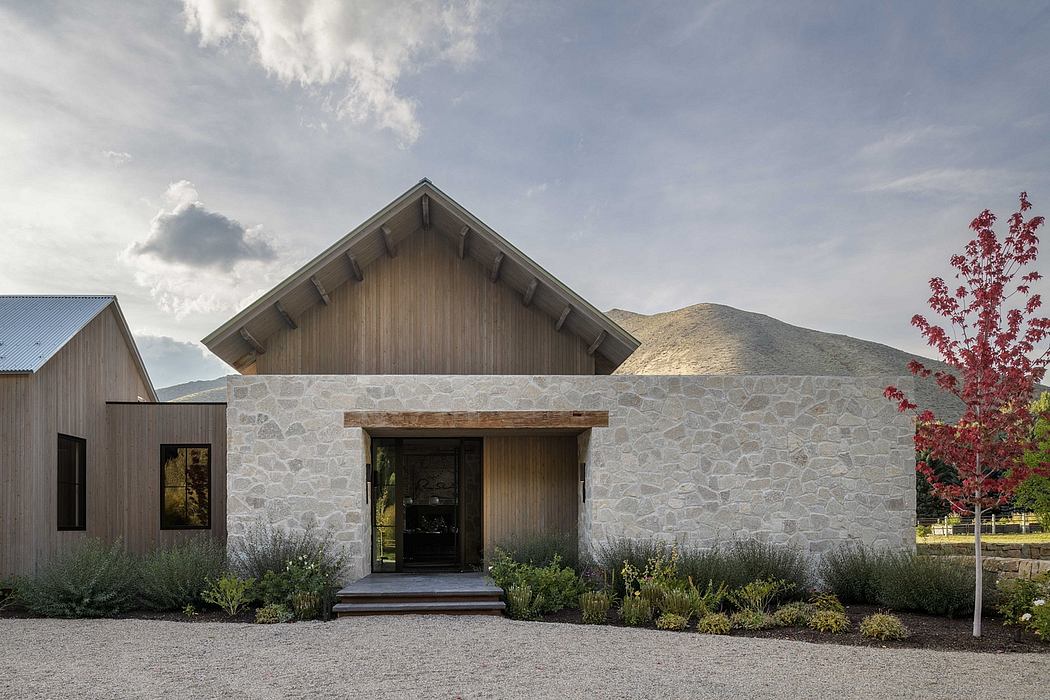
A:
{"points": [[34, 328]]}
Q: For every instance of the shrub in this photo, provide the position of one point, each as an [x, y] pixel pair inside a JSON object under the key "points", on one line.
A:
{"points": [[827, 601], [757, 596], [555, 586], [174, 577], [831, 621], [595, 606], [749, 619], [738, 563], [852, 573], [266, 547], [1017, 595], [710, 600], [541, 548], [884, 627], [714, 623], [93, 579], [635, 611], [522, 602], [928, 584], [272, 614], [670, 621], [301, 585], [1039, 620], [190, 611], [609, 558], [653, 593], [229, 593], [684, 602], [794, 614]]}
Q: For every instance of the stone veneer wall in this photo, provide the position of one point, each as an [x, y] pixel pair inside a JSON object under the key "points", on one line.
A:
{"points": [[806, 461]]}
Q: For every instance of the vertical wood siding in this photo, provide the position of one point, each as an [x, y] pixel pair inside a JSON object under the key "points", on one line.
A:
{"points": [[425, 311], [530, 486]]}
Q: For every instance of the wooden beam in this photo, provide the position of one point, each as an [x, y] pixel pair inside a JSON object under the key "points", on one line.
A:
{"points": [[355, 268], [388, 240], [244, 361], [463, 233], [597, 343], [475, 420], [426, 213], [320, 290], [496, 265], [530, 292], [288, 320], [564, 315], [257, 347]]}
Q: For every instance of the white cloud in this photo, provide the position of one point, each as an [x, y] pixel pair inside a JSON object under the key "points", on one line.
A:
{"points": [[363, 47], [117, 157], [947, 181]]}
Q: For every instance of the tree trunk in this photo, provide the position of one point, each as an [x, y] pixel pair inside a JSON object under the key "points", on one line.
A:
{"points": [[978, 591]]}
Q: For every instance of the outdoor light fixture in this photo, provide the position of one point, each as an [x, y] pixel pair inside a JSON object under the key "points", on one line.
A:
{"points": [[583, 480], [368, 481]]}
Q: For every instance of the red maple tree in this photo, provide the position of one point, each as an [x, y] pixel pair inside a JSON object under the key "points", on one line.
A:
{"points": [[993, 346]]}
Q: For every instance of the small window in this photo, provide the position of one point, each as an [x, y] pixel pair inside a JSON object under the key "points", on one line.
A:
{"points": [[72, 483], [185, 484]]}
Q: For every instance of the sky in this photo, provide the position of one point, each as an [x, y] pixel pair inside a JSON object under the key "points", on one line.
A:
{"points": [[814, 161]]}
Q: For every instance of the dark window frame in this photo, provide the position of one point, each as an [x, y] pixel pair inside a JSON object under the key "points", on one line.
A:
{"points": [[163, 486], [80, 484]]}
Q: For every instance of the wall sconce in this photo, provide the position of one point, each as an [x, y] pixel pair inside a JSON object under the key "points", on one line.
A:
{"points": [[368, 482], [583, 480]]}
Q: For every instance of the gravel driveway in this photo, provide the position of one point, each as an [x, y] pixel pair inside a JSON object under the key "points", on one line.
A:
{"points": [[447, 657]]}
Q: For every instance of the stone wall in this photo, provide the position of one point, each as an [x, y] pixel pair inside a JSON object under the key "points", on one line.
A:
{"points": [[805, 461]]}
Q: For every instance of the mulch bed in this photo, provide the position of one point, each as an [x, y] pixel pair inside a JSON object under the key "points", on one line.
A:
{"points": [[927, 632]]}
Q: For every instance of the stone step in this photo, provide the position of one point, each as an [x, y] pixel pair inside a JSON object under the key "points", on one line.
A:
{"points": [[421, 597], [433, 607]]}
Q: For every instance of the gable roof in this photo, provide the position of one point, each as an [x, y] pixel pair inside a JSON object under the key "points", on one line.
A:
{"points": [[423, 206], [33, 328]]}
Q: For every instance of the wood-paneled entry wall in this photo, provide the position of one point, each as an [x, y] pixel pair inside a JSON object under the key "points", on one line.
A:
{"points": [[531, 485]]}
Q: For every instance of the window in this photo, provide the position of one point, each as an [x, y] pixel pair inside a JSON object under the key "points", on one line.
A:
{"points": [[185, 485], [72, 483]]}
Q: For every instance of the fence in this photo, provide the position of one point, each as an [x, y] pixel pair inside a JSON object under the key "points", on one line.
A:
{"points": [[1016, 524]]}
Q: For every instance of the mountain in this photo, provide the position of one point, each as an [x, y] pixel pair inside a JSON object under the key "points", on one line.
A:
{"points": [[207, 390], [716, 339]]}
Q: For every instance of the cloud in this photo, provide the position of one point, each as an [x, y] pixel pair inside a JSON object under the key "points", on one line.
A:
{"points": [[170, 361], [363, 47], [191, 234], [117, 157], [947, 181]]}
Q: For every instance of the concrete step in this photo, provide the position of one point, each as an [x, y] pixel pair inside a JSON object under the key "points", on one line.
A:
{"points": [[432, 607]]}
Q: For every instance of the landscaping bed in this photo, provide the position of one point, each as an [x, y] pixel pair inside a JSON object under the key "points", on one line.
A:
{"points": [[925, 632]]}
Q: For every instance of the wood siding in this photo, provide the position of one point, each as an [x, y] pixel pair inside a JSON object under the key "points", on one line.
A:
{"points": [[67, 395], [136, 432], [530, 485], [424, 311]]}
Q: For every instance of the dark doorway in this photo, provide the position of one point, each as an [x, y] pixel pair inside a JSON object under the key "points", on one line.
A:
{"points": [[426, 504]]}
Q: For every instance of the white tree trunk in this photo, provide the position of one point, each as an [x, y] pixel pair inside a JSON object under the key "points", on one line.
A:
{"points": [[978, 592]]}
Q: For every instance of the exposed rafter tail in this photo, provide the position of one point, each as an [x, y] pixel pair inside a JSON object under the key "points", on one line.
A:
{"points": [[388, 240], [497, 263], [256, 346], [320, 290], [355, 267], [564, 315], [597, 343], [464, 233], [530, 292], [285, 316]]}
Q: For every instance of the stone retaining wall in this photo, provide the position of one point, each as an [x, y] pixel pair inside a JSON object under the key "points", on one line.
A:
{"points": [[1004, 567], [1008, 550], [803, 461]]}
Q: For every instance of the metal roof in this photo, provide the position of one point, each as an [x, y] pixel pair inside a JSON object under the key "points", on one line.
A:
{"points": [[34, 328]]}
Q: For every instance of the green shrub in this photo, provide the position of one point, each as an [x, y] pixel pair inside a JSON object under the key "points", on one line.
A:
{"points": [[173, 577], [852, 573], [190, 611], [750, 619], [757, 596], [795, 614], [710, 601], [273, 614], [670, 621], [684, 602], [540, 549], [827, 601], [595, 606], [266, 547], [523, 603], [714, 623], [928, 584], [653, 593], [883, 626], [1039, 620], [609, 558], [831, 621], [738, 563], [93, 579], [635, 611], [555, 586], [1017, 595], [229, 593]]}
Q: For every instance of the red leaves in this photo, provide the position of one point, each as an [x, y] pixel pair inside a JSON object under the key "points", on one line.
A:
{"points": [[996, 350]]}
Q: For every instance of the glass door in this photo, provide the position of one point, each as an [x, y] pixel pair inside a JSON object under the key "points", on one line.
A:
{"points": [[384, 505]]}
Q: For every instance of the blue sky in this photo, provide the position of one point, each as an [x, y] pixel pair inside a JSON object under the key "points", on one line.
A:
{"points": [[816, 162]]}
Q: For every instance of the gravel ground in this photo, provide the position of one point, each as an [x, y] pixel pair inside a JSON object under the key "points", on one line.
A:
{"points": [[449, 657]]}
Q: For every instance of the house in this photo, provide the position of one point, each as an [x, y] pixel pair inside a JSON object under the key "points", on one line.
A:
{"points": [[83, 443], [424, 390]]}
